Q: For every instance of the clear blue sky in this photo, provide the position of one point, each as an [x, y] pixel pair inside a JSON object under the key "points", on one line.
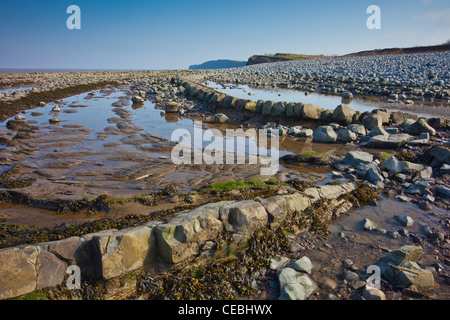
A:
{"points": [[174, 34]]}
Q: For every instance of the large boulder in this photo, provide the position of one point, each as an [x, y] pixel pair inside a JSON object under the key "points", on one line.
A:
{"points": [[310, 111], [384, 114], [346, 135], [294, 285], [125, 250], [393, 165], [241, 219], [400, 268], [183, 236], [354, 158], [278, 109], [18, 272], [324, 134], [392, 141], [343, 114], [359, 129], [372, 120], [267, 107], [420, 126]]}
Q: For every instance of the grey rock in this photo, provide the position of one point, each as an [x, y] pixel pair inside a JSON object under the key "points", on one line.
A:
{"points": [[324, 134], [405, 221], [354, 158], [420, 126], [392, 141], [303, 264]]}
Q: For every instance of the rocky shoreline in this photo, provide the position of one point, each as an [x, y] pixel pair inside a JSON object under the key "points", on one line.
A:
{"points": [[399, 155]]}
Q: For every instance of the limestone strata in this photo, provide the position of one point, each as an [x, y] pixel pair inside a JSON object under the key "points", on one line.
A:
{"points": [[112, 253]]}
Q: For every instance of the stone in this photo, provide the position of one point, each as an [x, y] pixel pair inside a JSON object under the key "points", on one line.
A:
{"points": [[384, 114], [303, 264], [445, 169], [324, 134], [327, 283], [137, 99], [312, 112], [405, 221], [343, 114], [420, 126], [127, 250], [372, 120], [172, 107], [17, 271], [441, 154], [354, 158], [374, 176], [412, 166], [426, 173], [376, 131], [351, 276], [243, 218], [306, 133], [278, 262], [393, 165], [370, 293], [436, 123], [369, 225], [359, 129], [392, 130], [293, 292], [347, 95], [51, 270], [445, 191], [267, 108], [183, 236], [54, 120], [287, 276], [221, 118], [392, 141], [411, 275], [278, 109], [346, 135], [418, 187]]}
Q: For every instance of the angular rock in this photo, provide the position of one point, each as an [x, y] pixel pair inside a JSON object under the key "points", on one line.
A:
{"points": [[324, 134], [241, 219], [358, 129], [370, 225], [278, 109], [128, 250], [267, 108], [354, 158], [17, 271], [343, 114], [393, 165], [405, 221], [420, 126], [310, 111], [392, 141], [346, 135], [303, 264], [372, 120], [183, 237], [172, 107]]}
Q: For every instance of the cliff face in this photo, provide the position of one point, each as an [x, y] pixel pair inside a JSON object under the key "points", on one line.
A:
{"points": [[218, 64]]}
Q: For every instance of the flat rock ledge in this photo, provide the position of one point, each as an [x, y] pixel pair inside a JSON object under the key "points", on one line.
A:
{"points": [[112, 253]]}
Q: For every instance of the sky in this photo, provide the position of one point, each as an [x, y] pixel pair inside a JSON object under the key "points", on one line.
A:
{"points": [[173, 34]]}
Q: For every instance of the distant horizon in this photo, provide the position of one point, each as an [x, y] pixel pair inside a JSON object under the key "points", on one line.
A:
{"points": [[174, 34], [23, 70]]}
